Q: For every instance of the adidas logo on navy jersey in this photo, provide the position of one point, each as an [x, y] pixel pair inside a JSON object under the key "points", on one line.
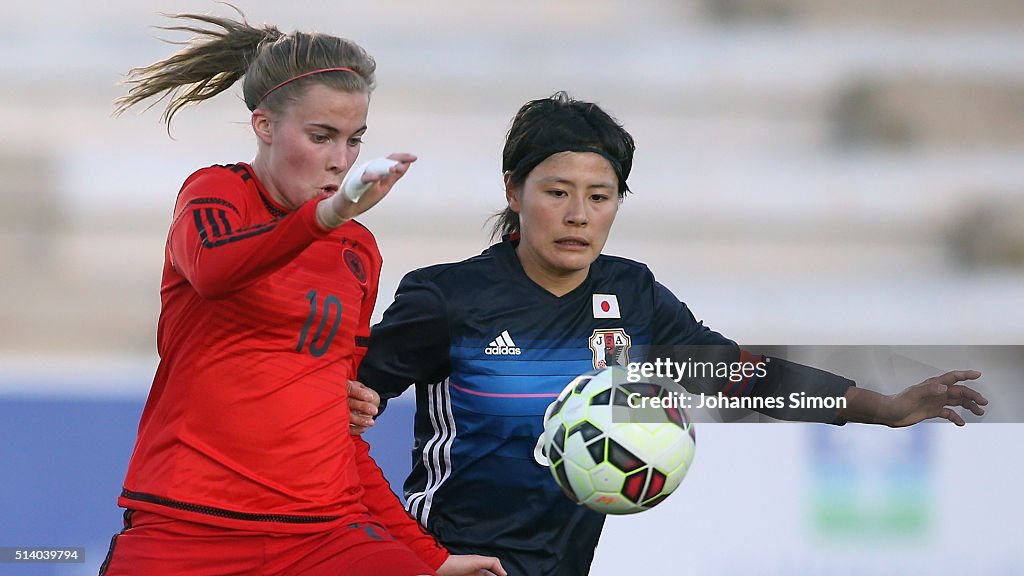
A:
{"points": [[502, 346]]}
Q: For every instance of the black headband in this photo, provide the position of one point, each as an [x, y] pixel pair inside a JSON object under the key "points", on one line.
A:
{"points": [[530, 161]]}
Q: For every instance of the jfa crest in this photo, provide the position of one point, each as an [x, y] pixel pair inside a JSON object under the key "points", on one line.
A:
{"points": [[610, 347]]}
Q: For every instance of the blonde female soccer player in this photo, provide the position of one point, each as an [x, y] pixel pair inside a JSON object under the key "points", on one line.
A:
{"points": [[244, 463]]}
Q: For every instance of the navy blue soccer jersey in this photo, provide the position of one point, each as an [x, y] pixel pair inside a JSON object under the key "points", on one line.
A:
{"points": [[489, 350]]}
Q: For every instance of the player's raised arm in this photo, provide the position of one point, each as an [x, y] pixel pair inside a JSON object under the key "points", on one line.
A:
{"points": [[365, 186]]}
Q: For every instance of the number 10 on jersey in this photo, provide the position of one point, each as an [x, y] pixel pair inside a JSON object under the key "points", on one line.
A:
{"points": [[329, 312]]}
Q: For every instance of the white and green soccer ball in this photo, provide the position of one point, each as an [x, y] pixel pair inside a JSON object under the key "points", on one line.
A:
{"points": [[616, 465]]}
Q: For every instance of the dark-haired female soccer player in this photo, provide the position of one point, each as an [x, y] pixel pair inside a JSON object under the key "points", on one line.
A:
{"points": [[491, 341], [244, 464]]}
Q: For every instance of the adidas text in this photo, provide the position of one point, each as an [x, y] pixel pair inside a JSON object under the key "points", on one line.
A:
{"points": [[502, 351]]}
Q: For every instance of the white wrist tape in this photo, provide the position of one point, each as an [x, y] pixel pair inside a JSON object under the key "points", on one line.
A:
{"points": [[354, 187]]}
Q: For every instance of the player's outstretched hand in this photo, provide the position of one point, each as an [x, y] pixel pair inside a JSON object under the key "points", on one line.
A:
{"points": [[339, 208], [363, 405], [933, 398], [471, 565]]}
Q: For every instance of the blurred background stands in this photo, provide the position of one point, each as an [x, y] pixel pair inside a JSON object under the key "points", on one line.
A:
{"points": [[861, 160]]}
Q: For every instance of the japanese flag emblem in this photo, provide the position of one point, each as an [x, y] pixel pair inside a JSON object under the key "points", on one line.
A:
{"points": [[606, 306]]}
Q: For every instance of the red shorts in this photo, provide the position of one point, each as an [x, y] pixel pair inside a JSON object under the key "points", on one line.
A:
{"points": [[155, 545]]}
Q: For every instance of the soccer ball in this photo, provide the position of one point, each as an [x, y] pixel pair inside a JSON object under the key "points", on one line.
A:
{"points": [[619, 466]]}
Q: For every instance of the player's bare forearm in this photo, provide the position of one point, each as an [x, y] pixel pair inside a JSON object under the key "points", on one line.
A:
{"points": [[934, 398], [863, 406]]}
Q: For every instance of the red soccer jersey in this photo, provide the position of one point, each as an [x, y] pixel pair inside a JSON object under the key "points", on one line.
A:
{"points": [[262, 323]]}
